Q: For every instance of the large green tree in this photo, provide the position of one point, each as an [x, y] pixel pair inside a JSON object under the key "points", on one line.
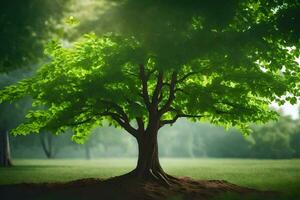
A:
{"points": [[217, 61]]}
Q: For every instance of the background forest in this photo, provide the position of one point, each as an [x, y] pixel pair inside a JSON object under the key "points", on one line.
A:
{"points": [[278, 140]]}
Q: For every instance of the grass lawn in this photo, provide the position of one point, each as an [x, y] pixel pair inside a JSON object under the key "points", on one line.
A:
{"points": [[278, 175]]}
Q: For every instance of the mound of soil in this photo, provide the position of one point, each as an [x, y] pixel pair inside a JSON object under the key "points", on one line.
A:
{"points": [[124, 188]]}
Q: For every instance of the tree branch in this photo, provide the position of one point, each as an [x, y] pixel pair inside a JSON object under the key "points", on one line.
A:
{"points": [[125, 124], [131, 74], [177, 116], [160, 97], [80, 122], [181, 90], [140, 122], [139, 119], [115, 116], [171, 94], [158, 87], [144, 79], [117, 108], [186, 76]]}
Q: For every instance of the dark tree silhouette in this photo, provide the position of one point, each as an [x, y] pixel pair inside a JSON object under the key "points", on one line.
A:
{"points": [[5, 159], [49, 148]]}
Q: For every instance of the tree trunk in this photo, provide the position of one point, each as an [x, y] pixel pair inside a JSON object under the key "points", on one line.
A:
{"points": [[148, 166], [46, 141], [87, 152], [5, 159]]}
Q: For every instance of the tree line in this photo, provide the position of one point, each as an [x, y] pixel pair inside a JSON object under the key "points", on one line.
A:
{"points": [[276, 140]]}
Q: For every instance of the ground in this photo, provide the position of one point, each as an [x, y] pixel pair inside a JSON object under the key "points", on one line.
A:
{"points": [[282, 176]]}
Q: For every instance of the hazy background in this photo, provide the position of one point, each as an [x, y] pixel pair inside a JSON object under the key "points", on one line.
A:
{"points": [[275, 140]]}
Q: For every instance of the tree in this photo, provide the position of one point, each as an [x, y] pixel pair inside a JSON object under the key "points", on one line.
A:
{"points": [[49, 149], [109, 139], [295, 144], [218, 143], [10, 116], [295, 139], [273, 139], [53, 144], [217, 61], [25, 26]]}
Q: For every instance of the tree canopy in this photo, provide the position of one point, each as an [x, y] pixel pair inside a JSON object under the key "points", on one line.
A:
{"points": [[25, 27], [217, 61]]}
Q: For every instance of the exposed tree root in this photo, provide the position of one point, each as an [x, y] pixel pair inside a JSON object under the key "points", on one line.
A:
{"points": [[150, 175]]}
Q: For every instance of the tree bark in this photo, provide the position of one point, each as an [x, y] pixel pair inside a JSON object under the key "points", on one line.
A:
{"points": [[148, 165], [5, 159]]}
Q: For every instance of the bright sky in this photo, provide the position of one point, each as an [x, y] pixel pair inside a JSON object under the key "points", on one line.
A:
{"points": [[288, 109]]}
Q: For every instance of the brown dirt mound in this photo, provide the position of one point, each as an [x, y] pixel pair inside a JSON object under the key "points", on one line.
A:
{"points": [[124, 188]]}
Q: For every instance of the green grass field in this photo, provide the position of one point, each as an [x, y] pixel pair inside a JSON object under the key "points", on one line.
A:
{"points": [[277, 175]]}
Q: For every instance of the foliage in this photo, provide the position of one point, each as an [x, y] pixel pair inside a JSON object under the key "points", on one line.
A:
{"points": [[16, 110], [274, 139], [224, 64], [25, 26]]}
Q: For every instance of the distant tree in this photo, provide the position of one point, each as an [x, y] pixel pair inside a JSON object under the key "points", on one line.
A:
{"points": [[108, 138], [45, 144], [220, 61], [52, 144], [10, 116], [25, 26], [46, 139], [295, 144], [220, 143], [173, 143], [273, 139], [295, 139]]}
